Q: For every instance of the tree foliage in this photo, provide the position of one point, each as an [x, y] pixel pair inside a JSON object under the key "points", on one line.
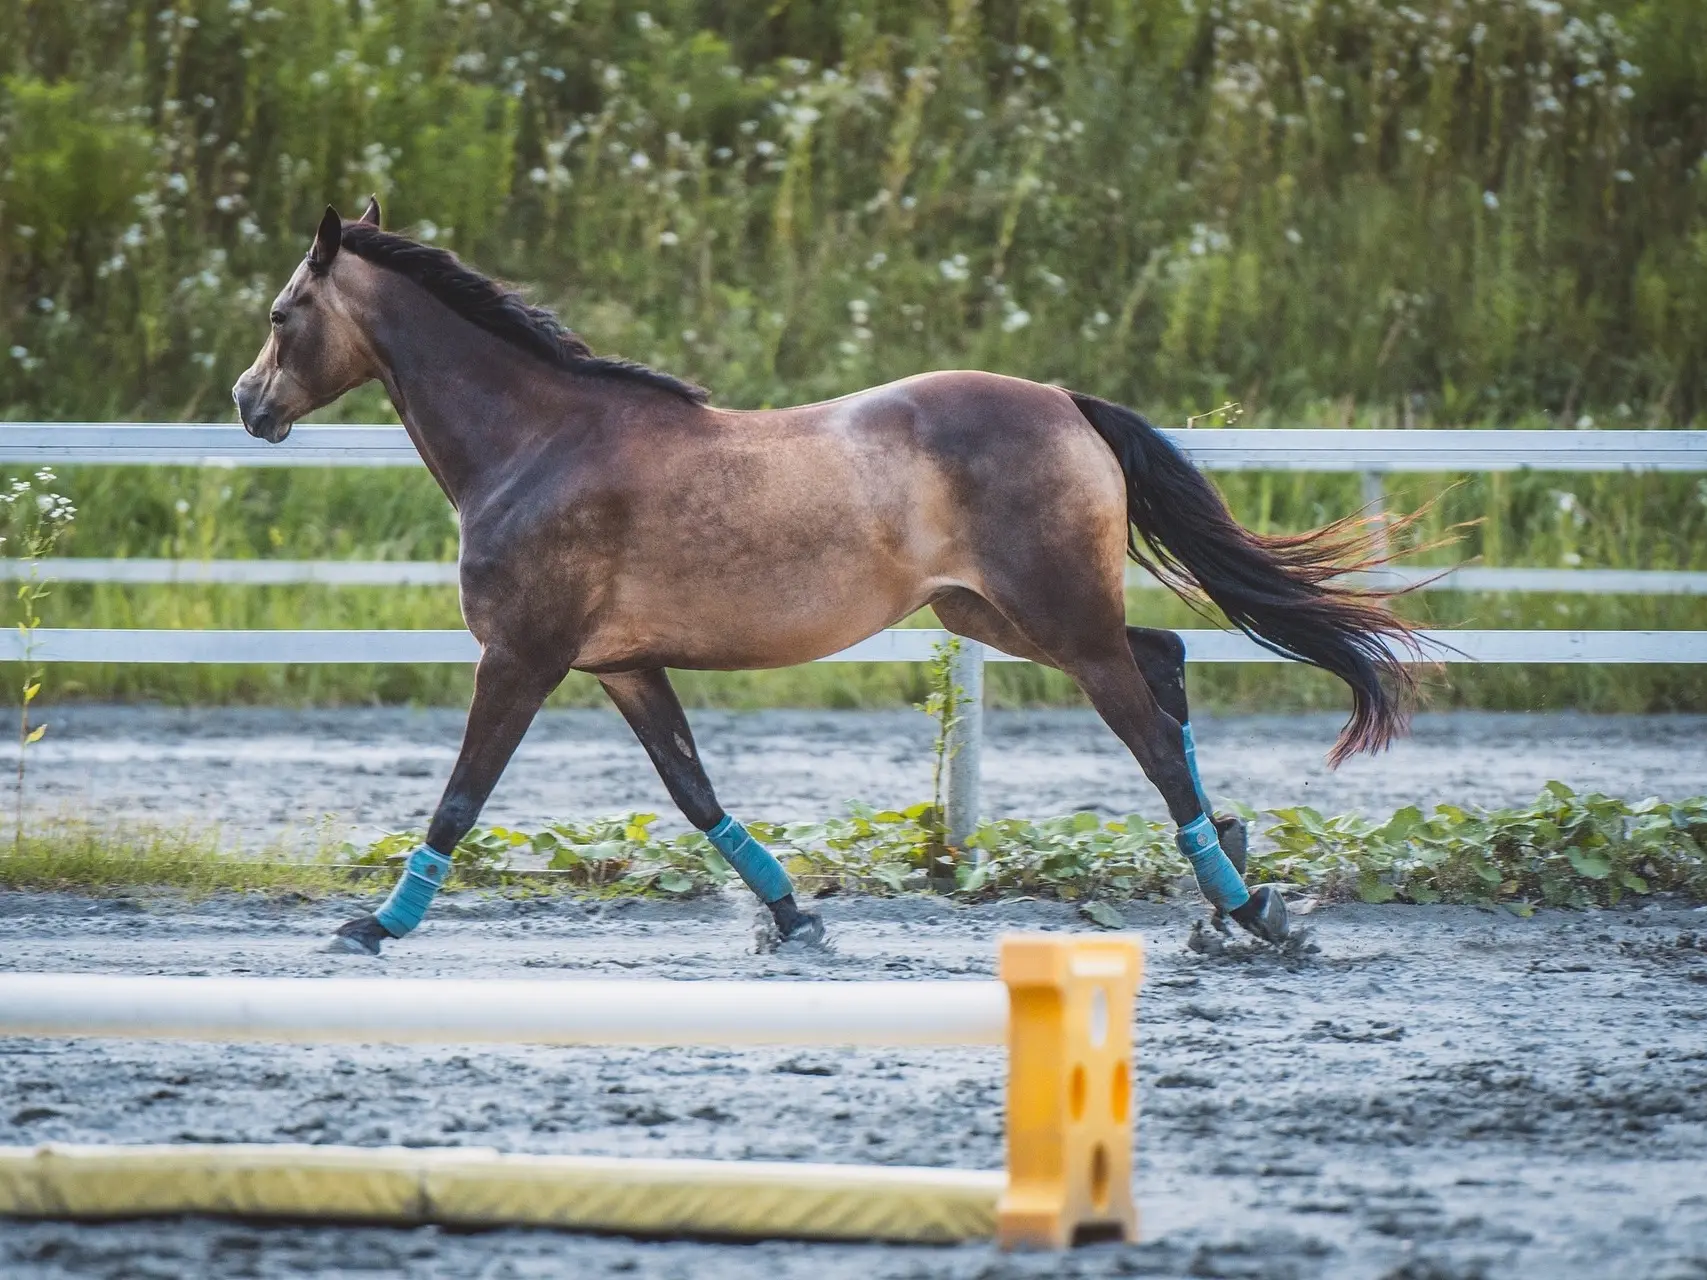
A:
{"points": [[1471, 208]]}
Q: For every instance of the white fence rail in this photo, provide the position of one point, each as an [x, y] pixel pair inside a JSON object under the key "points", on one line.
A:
{"points": [[141, 571], [327, 647], [1308, 449]]}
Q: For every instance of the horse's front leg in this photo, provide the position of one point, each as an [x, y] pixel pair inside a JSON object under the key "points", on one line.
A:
{"points": [[508, 692], [649, 704]]}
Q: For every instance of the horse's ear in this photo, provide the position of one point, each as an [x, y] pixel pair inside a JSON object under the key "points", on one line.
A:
{"points": [[370, 215], [327, 240]]}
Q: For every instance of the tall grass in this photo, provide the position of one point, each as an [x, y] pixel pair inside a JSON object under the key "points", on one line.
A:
{"points": [[1458, 208]]}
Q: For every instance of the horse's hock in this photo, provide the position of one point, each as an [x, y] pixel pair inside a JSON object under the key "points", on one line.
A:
{"points": [[1063, 1007]]}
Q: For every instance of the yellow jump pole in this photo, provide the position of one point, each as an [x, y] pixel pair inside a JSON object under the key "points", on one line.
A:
{"points": [[1069, 1090]]}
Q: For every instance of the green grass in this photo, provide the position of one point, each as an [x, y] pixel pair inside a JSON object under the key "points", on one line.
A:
{"points": [[107, 859]]}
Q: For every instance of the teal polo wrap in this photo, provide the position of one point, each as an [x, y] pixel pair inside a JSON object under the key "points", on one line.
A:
{"points": [[752, 861], [1191, 764], [1216, 875], [423, 873]]}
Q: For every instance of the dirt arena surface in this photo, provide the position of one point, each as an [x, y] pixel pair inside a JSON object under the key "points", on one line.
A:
{"points": [[260, 771], [1434, 1094]]}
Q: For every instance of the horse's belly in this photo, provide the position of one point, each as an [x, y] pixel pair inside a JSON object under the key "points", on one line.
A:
{"points": [[741, 633]]}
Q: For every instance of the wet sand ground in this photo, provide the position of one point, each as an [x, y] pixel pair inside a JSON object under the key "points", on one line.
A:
{"points": [[1436, 1094], [1439, 1092]]}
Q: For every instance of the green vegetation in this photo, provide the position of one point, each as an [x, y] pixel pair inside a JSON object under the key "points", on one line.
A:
{"points": [[1452, 208], [1562, 850], [1476, 212]]}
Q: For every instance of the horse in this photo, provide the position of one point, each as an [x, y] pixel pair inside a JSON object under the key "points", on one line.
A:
{"points": [[614, 522]]}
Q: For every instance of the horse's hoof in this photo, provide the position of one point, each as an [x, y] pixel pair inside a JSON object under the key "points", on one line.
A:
{"points": [[1264, 916], [807, 929], [798, 930], [360, 937], [1234, 836]]}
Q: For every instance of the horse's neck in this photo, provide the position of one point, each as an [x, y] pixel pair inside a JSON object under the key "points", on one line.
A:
{"points": [[462, 393]]}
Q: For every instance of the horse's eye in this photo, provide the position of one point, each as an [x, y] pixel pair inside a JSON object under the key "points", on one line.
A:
{"points": [[277, 318]]}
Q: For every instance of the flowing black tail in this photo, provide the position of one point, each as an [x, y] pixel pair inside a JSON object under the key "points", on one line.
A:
{"points": [[1278, 590]]}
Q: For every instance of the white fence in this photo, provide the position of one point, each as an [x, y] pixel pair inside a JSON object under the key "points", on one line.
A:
{"points": [[226, 444], [1368, 452], [141, 571]]}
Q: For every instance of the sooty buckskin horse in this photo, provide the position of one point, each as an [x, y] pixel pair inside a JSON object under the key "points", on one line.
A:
{"points": [[615, 523]]}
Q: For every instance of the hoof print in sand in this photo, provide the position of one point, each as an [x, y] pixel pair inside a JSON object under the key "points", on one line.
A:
{"points": [[1213, 940]]}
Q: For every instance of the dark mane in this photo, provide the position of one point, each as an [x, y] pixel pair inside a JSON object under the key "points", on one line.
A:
{"points": [[502, 312]]}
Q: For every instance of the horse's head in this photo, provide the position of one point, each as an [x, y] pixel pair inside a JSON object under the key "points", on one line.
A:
{"points": [[316, 350]]}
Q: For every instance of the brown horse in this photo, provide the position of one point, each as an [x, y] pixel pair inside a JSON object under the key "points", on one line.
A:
{"points": [[615, 523]]}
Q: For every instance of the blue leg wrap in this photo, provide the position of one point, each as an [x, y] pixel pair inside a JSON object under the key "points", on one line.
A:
{"points": [[1216, 875], [423, 873], [1191, 763], [752, 861]]}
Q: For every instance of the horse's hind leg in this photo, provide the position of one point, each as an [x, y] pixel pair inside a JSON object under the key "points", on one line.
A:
{"points": [[1161, 659], [1077, 627], [652, 710], [508, 693], [1160, 656]]}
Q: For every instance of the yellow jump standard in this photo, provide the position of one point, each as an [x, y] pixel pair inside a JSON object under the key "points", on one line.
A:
{"points": [[1069, 1116]]}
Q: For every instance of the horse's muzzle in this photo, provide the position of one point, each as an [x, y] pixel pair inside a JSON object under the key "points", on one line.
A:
{"points": [[259, 420]]}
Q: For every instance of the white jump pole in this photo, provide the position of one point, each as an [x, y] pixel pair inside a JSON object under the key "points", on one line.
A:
{"points": [[462, 1011]]}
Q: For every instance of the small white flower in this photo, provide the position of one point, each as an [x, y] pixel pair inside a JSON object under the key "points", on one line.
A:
{"points": [[181, 506], [1490, 200], [668, 238], [1016, 320]]}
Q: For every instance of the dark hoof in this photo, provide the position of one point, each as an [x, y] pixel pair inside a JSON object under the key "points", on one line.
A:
{"points": [[1264, 916], [360, 937], [807, 928], [797, 930], [1235, 839]]}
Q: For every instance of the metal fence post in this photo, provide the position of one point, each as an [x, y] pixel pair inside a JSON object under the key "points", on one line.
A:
{"points": [[965, 742], [1375, 504]]}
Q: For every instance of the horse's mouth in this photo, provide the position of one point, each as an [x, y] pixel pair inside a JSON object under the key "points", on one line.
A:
{"points": [[266, 427]]}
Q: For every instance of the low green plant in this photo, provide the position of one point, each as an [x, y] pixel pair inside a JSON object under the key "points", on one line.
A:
{"points": [[945, 704], [1563, 850], [35, 521], [606, 855]]}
